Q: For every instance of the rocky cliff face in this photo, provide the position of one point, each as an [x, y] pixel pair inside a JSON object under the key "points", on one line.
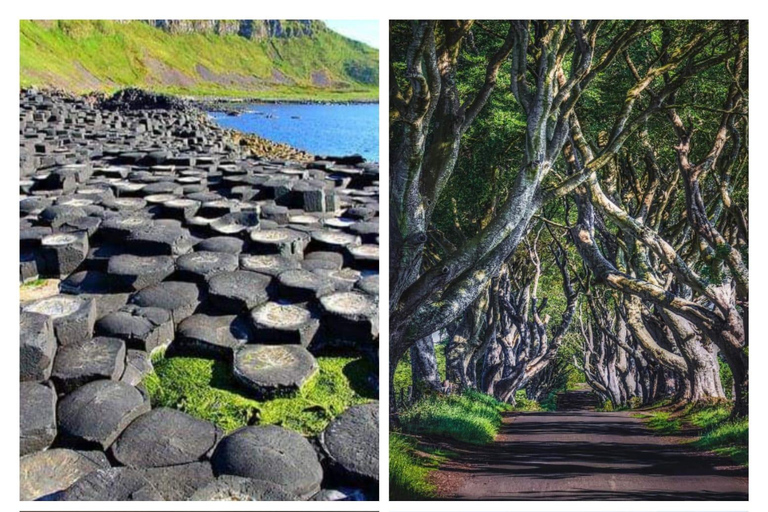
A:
{"points": [[250, 29]]}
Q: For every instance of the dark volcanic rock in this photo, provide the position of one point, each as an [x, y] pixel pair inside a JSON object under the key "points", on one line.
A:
{"points": [[238, 291], [236, 488], [212, 336], [96, 413], [37, 421], [38, 346], [113, 484], [72, 317], [284, 323], [138, 272], [351, 443], [180, 298], [270, 453], [86, 361], [273, 370], [51, 471], [164, 437], [198, 266], [144, 328]]}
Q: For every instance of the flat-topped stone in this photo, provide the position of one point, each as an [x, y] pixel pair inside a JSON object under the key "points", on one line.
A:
{"points": [[78, 363], [45, 473], [273, 370], [270, 453], [164, 437], [96, 413]]}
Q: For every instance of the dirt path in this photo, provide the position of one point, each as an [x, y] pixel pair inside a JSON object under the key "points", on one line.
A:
{"points": [[586, 455]]}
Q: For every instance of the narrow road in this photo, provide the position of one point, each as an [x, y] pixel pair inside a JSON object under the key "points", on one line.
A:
{"points": [[586, 455]]}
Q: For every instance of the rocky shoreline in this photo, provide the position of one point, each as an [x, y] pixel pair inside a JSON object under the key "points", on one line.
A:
{"points": [[171, 235]]}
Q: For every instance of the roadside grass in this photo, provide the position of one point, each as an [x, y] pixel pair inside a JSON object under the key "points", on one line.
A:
{"points": [[719, 433], [469, 417], [205, 388], [408, 471]]}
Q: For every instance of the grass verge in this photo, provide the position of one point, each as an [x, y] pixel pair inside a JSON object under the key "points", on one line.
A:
{"points": [[719, 433], [204, 388], [408, 470], [470, 417]]}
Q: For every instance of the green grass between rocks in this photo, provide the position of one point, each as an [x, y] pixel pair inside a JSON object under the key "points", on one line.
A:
{"points": [[204, 388], [85, 55], [720, 434]]}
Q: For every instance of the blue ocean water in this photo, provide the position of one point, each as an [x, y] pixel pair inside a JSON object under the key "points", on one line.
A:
{"points": [[319, 129]]}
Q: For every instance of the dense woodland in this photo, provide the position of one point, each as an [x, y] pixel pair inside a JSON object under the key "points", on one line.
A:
{"points": [[569, 201]]}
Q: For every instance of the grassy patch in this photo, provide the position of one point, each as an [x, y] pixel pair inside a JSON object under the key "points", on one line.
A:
{"points": [[35, 283], [664, 423], [408, 470], [720, 434], [204, 388], [471, 417]]}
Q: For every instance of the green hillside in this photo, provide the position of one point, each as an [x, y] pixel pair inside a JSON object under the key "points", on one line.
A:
{"points": [[83, 56]]}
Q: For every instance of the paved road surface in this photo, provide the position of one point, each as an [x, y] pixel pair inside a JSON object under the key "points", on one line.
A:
{"points": [[586, 455]]}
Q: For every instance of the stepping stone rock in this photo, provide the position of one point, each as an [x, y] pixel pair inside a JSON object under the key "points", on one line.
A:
{"points": [[227, 244], [234, 223], [331, 240], [179, 483], [160, 238], [57, 215], [98, 287], [270, 453], [285, 242], [273, 370], [113, 484], [96, 413], [199, 266], [37, 347], [83, 362], [164, 437], [236, 488], [269, 264], [51, 471], [351, 442], [143, 328], [138, 272], [284, 323], [72, 317], [238, 291], [179, 298], [37, 422], [212, 336], [302, 285], [350, 318], [365, 256], [62, 253]]}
